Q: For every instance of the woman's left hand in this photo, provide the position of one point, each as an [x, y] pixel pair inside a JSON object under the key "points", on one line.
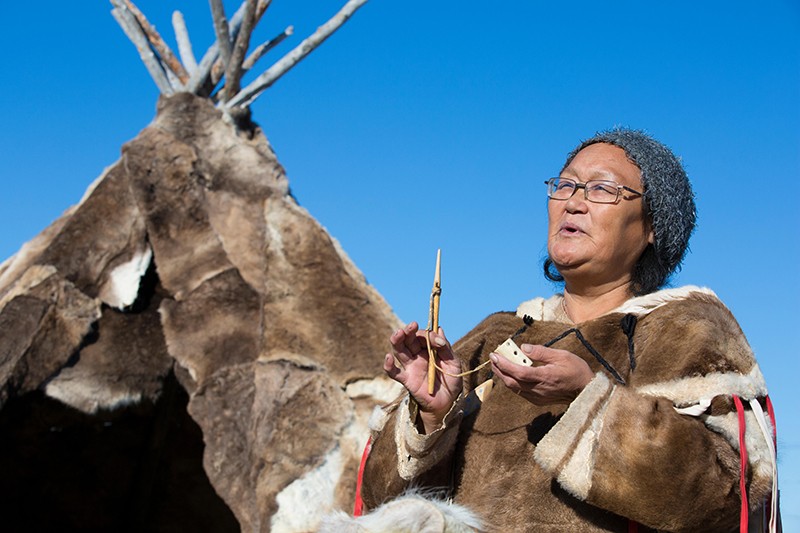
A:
{"points": [[557, 376]]}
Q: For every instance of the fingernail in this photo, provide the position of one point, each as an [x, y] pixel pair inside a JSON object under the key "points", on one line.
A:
{"points": [[493, 357], [527, 348], [439, 341]]}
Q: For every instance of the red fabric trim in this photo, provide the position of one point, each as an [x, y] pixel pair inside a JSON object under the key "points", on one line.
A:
{"points": [[633, 527], [744, 514], [358, 506], [771, 413]]}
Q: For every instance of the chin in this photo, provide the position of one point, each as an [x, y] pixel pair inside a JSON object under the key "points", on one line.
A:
{"points": [[566, 258]]}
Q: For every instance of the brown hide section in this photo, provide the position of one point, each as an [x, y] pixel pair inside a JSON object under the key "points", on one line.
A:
{"points": [[123, 361], [636, 463], [703, 329], [499, 440], [48, 321], [240, 224], [315, 305], [25, 259], [264, 429], [104, 231], [168, 185], [206, 342]]}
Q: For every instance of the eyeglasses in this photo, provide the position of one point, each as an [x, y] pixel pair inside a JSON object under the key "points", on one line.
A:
{"points": [[596, 191]]}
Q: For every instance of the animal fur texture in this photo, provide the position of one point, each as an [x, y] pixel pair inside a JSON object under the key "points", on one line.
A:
{"points": [[414, 512], [621, 450]]}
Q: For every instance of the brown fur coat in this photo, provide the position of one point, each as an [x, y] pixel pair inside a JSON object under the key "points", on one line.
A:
{"points": [[652, 438]]}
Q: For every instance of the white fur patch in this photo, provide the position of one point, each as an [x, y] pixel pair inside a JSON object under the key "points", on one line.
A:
{"points": [[410, 513], [88, 395], [378, 418], [548, 309], [382, 389], [693, 390], [758, 452], [540, 308], [274, 217], [122, 286], [318, 486], [561, 439], [642, 305], [696, 409], [576, 476]]}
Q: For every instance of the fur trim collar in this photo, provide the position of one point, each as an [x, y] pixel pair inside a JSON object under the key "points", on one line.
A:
{"points": [[549, 309]]}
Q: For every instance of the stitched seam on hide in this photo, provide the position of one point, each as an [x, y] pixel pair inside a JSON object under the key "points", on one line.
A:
{"points": [[576, 475], [690, 390], [417, 453], [555, 446]]}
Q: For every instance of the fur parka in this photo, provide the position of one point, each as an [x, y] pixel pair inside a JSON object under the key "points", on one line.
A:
{"points": [[653, 438]]}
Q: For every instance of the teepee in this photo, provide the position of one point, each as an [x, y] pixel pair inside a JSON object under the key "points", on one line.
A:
{"points": [[187, 348]]}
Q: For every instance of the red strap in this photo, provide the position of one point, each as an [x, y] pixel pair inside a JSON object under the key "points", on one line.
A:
{"points": [[358, 507], [742, 472], [771, 413]]}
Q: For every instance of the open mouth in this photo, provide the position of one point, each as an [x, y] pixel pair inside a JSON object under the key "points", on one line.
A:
{"points": [[570, 229]]}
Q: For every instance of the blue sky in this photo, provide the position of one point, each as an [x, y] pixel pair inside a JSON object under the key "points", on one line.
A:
{"points": [[422, 125]]}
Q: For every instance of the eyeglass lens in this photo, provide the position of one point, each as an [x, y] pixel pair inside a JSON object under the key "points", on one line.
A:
{"points": [[598, 191]]}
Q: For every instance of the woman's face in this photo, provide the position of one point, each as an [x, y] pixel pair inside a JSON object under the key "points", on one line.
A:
{"points": [[593, 244]]}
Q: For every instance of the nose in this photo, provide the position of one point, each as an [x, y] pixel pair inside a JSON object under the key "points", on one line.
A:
{"points": [[576, 203]]}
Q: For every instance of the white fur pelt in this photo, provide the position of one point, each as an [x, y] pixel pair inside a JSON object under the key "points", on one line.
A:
{"points": [[413, 512]]}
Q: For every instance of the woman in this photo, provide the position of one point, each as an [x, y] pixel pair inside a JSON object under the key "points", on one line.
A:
{"points": [[627, 417]]}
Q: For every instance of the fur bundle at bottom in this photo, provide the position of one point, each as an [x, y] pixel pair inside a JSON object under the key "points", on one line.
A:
{"points": [[414, 512]]}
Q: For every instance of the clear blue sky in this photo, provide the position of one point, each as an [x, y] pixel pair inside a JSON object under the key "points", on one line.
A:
{"points": [[433, 124]]}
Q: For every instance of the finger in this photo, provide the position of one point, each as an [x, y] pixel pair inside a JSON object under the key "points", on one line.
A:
{"points": [[508, 380], [391, 369], [438, 342], [513, 370], [411, 339], [442, 339], [539, 353], [502, 363], [398, 342]]}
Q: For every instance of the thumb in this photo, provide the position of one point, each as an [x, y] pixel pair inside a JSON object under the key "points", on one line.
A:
{"points": [[538, 353]]}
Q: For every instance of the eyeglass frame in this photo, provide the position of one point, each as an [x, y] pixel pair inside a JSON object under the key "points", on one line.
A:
{"points": [[579, 185]]}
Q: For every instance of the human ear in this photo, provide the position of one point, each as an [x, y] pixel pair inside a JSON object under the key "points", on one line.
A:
{"points": [[648, 227]]}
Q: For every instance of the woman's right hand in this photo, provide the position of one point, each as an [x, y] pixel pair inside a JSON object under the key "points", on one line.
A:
{"points": [[411, 353]]}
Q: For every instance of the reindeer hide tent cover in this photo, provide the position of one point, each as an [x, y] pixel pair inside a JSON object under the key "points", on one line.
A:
{"points": [[188, 297]]}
